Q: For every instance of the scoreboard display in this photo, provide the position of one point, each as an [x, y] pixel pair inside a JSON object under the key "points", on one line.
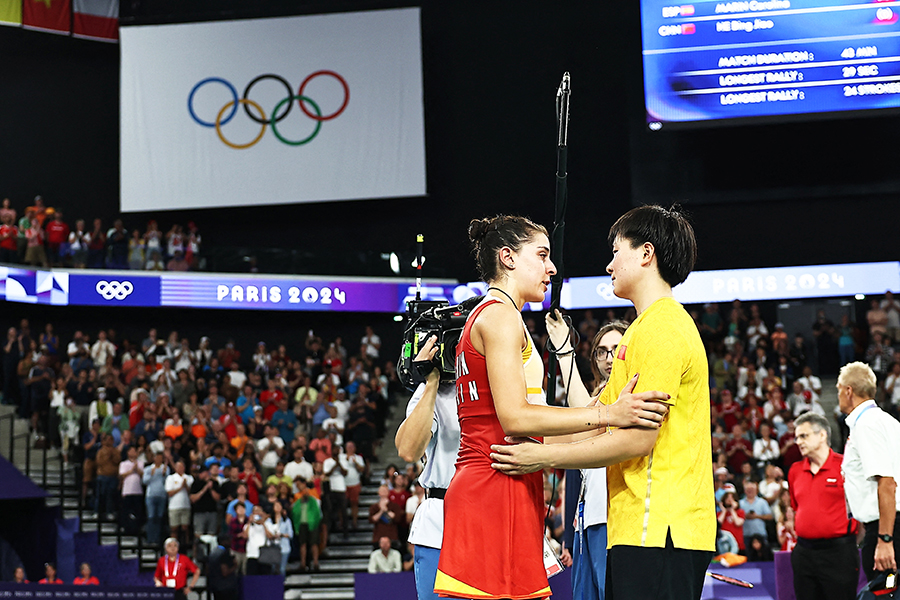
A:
{"points": [[719, 60]]}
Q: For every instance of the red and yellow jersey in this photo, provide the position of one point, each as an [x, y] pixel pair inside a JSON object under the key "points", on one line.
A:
{"points": [[493, 523]]}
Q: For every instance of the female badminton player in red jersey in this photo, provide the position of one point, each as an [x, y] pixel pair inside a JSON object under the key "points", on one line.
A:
{"points": [[493, 523]]}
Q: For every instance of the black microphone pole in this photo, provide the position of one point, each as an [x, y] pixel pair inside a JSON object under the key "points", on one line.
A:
{"points": [[559, 220]]}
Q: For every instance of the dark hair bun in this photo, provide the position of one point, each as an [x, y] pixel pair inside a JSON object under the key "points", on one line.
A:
{"points": [[478, 228]]}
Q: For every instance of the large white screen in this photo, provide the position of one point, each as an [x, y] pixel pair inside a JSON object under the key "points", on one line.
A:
{"points": [[173, 156]]}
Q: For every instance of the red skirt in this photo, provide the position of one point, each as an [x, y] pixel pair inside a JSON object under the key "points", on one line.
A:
{"points": [[493, 535]]}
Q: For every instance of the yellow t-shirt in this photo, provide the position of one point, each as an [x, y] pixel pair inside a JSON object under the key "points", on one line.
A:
{"points": [[672, 488]]}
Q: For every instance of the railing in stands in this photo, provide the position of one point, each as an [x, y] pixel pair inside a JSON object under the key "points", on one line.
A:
{"points": [[63, 486]]}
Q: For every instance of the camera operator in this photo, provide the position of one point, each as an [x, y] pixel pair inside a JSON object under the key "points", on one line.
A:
{"points": [[430, 430]]}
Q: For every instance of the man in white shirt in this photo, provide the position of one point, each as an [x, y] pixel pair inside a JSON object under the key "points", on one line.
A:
{"points": [[334, 423], [892, 389], [341, 403], [356, 466], [371, 343], [270, 448], [328, 376], [871, 467], [166, 374], [76, 345], [811, 382], [299, 467], [336, 468], [890, 306], [237, 377], [178, 487], [102, 350], [385, 559]]}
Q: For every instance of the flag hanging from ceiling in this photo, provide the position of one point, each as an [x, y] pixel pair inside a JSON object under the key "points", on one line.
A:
{"points": [[48, 15], [10, 12], [97, 19]]}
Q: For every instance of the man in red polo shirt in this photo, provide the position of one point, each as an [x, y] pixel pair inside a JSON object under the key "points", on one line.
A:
{"points": [[172, 571], [825, 560], [57, 235]]}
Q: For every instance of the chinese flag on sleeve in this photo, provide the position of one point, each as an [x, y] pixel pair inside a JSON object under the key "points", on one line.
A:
{"points": [[47, 15], [10, 12], [97, 19]]}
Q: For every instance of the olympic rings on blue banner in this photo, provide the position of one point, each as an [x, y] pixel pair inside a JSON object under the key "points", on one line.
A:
{"points": [[276, 117]]}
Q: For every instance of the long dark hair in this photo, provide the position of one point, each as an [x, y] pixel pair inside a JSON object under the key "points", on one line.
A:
{"points": [[599, 376], [490, 234]]}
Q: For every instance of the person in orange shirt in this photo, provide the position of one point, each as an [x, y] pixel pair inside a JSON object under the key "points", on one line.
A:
{"points": [[40, 211], [174, 425], [198, 424], [240, 440], [86, 578]]}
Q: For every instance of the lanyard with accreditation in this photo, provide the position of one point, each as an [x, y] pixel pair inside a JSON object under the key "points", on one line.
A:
{"points": [[170, 581]]}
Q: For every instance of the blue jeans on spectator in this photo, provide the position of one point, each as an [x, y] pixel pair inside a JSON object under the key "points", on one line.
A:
{"points": [[847, 353], [156, 510], [589, 564], [106, 493], [425, 564]]}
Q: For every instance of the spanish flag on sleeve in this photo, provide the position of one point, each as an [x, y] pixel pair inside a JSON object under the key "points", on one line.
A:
{"points": [[11, 12]]}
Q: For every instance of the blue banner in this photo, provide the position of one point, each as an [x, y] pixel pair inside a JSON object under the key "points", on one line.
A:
{"points": [[269, 292]]}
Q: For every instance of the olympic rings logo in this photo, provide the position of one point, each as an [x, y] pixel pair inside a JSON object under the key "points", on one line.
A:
{"points": [[260, 117], [114, 290]]}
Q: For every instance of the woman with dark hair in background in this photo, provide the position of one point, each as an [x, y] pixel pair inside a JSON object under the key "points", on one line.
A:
{"points": [[590, 512], [499, 382]]}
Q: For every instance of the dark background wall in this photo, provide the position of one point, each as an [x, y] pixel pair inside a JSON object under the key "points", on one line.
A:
{"points": [[762, 195]]}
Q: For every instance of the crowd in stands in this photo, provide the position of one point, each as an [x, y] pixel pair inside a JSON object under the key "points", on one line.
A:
{"points": [[259, 446], [41, 237], [201, 441]]}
